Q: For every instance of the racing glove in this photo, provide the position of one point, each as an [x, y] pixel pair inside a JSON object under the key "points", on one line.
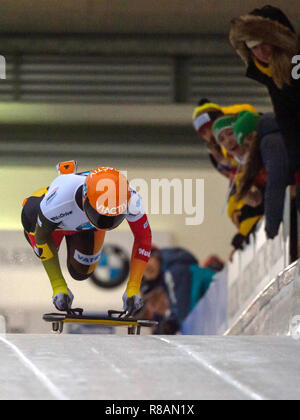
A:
{"points": [[63, 302], [132, 304]]}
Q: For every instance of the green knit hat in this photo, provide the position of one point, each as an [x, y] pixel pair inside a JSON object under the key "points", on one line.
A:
{"points": [[245, 124], [221, 124]]}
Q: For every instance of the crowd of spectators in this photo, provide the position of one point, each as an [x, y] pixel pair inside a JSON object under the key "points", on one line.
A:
{"points": [[258, 153], [173, 284]]}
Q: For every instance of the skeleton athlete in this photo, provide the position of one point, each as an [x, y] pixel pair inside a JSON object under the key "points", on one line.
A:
{"points": [[82, 208]]}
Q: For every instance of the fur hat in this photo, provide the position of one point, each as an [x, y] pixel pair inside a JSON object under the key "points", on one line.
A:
{"points": [[272, 27]]}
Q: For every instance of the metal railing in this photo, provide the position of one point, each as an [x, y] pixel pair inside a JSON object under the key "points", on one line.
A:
{"points": [[133, 79]]}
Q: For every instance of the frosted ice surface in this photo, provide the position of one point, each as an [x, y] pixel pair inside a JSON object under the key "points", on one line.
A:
{"points": [[148, 367]]}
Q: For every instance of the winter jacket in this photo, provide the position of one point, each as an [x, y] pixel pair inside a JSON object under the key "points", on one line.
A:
{"points": [[272, 27], [275, 163], [177, 277], [249, 218], [185, 280]]}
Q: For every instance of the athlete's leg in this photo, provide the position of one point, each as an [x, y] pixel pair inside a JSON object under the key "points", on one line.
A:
{"points": [[30, 212], [29, 218], [84, 253]]}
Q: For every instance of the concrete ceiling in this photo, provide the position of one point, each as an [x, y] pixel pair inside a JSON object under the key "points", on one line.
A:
{"points": [[131, 16]]}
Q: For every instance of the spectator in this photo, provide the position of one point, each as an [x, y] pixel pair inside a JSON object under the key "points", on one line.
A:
{"points": [[155, 296], [153, 275], [245, 213], [179, 285], [265, 163], [214, 263], [266, 40], [203, 118], [223, 133], [156, 306], [262, 140]]}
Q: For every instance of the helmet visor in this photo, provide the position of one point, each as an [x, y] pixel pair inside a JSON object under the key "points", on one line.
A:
{"points": [[99, 220]]}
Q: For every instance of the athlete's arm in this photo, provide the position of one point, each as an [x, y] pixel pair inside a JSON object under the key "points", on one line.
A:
{"points": [[49, 254], [140, 254]]}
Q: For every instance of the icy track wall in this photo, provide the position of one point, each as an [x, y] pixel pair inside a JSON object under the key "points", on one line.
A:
{"points": [[263, 290], [271, 312], [250, 290], [209, 317]]}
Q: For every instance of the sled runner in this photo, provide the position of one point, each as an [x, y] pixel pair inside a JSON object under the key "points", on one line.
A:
{"points": [[114, 319]]}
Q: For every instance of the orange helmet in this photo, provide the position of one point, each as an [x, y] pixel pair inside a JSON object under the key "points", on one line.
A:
{"points": [[106, 195]]}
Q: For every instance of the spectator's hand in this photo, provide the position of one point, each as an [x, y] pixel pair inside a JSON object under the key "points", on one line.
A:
{"points": [[238, 241], [236, 218]]}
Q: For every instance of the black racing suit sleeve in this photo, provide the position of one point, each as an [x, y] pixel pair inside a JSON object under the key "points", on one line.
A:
{"points": [[276, 163], [47, 224]]}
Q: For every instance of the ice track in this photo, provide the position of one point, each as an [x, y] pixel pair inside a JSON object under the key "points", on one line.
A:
{"points": [[71, 367]]}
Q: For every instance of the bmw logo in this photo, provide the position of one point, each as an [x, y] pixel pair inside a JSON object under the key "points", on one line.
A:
{"points": [[113, 268]]}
